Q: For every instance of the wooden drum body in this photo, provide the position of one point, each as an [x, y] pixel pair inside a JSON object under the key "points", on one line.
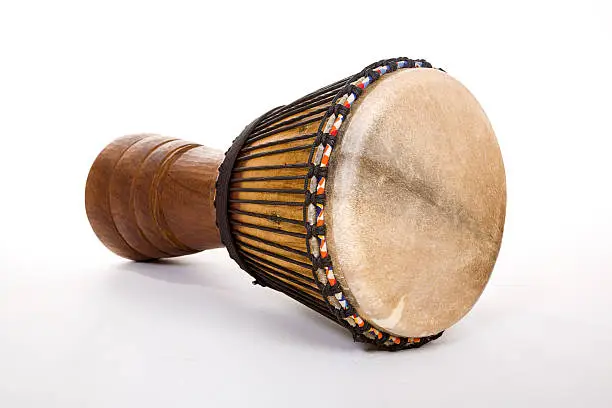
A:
{"points": [[377, 201]]}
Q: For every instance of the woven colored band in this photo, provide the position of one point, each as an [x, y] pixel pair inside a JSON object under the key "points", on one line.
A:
{"points": [[337, 305]]}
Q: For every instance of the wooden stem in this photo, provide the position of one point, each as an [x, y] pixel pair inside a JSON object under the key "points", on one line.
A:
{"points": [[151, 196]]}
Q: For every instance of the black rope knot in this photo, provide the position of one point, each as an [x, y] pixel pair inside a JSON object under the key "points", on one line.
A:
{"points": [[314, 230], [320, 139], [372, 74], [313, 198], [317, 171], [424, 63], [354, 89], [320, 263], [341, 110]]}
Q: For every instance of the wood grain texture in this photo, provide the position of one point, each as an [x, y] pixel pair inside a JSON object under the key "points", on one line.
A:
{"points": [[150, 196]]}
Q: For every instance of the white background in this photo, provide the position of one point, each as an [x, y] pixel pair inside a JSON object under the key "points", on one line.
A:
{"points": [[80, 327]]}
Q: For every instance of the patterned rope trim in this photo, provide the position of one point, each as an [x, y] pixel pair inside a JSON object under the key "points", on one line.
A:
{"points": [[314, 208]]}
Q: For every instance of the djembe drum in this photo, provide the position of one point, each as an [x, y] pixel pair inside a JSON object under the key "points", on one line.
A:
{"points": [[377, 201]]}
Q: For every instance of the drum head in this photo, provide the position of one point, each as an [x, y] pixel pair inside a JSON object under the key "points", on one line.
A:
{"points": [[417, 198]]}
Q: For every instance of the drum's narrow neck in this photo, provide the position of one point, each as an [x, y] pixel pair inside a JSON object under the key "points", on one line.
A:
{"points": [[151, 196]]}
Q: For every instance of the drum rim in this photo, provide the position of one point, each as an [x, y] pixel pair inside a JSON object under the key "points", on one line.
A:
{"points": [[314, 206]]}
